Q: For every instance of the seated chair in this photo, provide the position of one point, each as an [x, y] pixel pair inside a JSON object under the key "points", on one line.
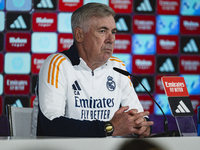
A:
{"points": [[19, 119]]}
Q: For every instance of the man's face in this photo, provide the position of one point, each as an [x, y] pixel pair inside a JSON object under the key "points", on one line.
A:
{"points": [[98, 43]]}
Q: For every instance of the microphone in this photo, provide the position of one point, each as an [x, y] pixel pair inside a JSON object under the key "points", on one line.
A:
{"points": [[166, 129]]}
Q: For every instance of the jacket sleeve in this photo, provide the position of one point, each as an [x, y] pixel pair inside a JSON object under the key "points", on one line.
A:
{"points": [[130, 98], [52, 101], [67, 127]]}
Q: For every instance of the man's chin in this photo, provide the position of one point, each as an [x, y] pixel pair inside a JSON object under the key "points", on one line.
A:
{"points": [[107, 55]]}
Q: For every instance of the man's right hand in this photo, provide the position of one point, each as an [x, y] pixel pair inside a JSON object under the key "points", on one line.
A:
{"points": [[128, 122]]}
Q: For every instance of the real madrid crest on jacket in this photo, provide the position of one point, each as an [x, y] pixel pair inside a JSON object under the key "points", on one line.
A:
{"points": [[110, 84], [73, 90]]}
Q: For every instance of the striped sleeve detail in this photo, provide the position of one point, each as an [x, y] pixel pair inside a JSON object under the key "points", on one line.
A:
{"points": [[58, 71], [53, 70], [117, 60], [130, 81], [112, 58]]}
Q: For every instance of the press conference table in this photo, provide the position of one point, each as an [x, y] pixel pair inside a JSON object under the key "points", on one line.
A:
{"points": [[110, 143]]}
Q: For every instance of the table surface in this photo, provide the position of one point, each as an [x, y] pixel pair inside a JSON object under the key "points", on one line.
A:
{"points": [[109, 143]]}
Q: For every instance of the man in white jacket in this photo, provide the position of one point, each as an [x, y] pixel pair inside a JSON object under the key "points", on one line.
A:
{"points": [[79, 93]]}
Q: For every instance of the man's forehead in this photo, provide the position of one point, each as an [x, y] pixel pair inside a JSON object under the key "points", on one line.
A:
{"points": [[103, 22]]}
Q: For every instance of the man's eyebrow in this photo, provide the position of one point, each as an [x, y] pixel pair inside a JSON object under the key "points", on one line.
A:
{"points": [[103, 28], [115, 29]]}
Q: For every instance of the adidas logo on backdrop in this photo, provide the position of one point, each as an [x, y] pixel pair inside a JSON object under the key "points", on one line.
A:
{"points": [[147, 81], [123, 23], [17, 103], [145, 6], [18, 21], [167, 64], [190, 44], [139, 88], [45, 4]]}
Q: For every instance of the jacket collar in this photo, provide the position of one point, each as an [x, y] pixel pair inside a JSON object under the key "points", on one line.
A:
{"points": [[72, 54]]}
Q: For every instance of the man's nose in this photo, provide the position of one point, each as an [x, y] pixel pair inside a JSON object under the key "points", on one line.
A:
{"points": [[110, 38]]}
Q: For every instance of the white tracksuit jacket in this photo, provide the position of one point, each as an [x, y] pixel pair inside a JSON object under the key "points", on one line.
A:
{"points": [[69, 88]]}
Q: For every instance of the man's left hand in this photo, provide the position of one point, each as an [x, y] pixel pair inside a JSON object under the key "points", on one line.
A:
{"points": [[141, 124]]}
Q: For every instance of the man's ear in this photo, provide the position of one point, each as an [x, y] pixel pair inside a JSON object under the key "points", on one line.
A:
{"points": [[78, 34]]}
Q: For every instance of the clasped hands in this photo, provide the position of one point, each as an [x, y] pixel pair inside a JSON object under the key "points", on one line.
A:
{"points": [[128, 122]]}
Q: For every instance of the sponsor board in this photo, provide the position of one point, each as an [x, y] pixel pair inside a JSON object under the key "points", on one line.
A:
{"points": [[161, 99], [167, 64], [143, 64], [169, 7], [18, 42], [143, 44], [69, 5], [18, 21], [44, 42], [167, 44], [167, 24], [144, 6], [189, 25], [18, 5], [159, 85], [175, 86], [64, 22], [16, 84], [121, 6], [17, 63], [44, 22], [147, 103], [37, 61], [181, 106], [123, 23], [190, 7], [45, 4], [192, 83], [144, 24], [147, 81], [122, 43], [189, 64], [65, 41], [190, 45]]}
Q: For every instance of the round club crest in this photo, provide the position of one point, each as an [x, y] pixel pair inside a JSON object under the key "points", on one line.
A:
{"points": [[110, 84]]}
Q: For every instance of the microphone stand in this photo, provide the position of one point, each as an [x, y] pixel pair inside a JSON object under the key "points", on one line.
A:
{"points": [[166, 132]]}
